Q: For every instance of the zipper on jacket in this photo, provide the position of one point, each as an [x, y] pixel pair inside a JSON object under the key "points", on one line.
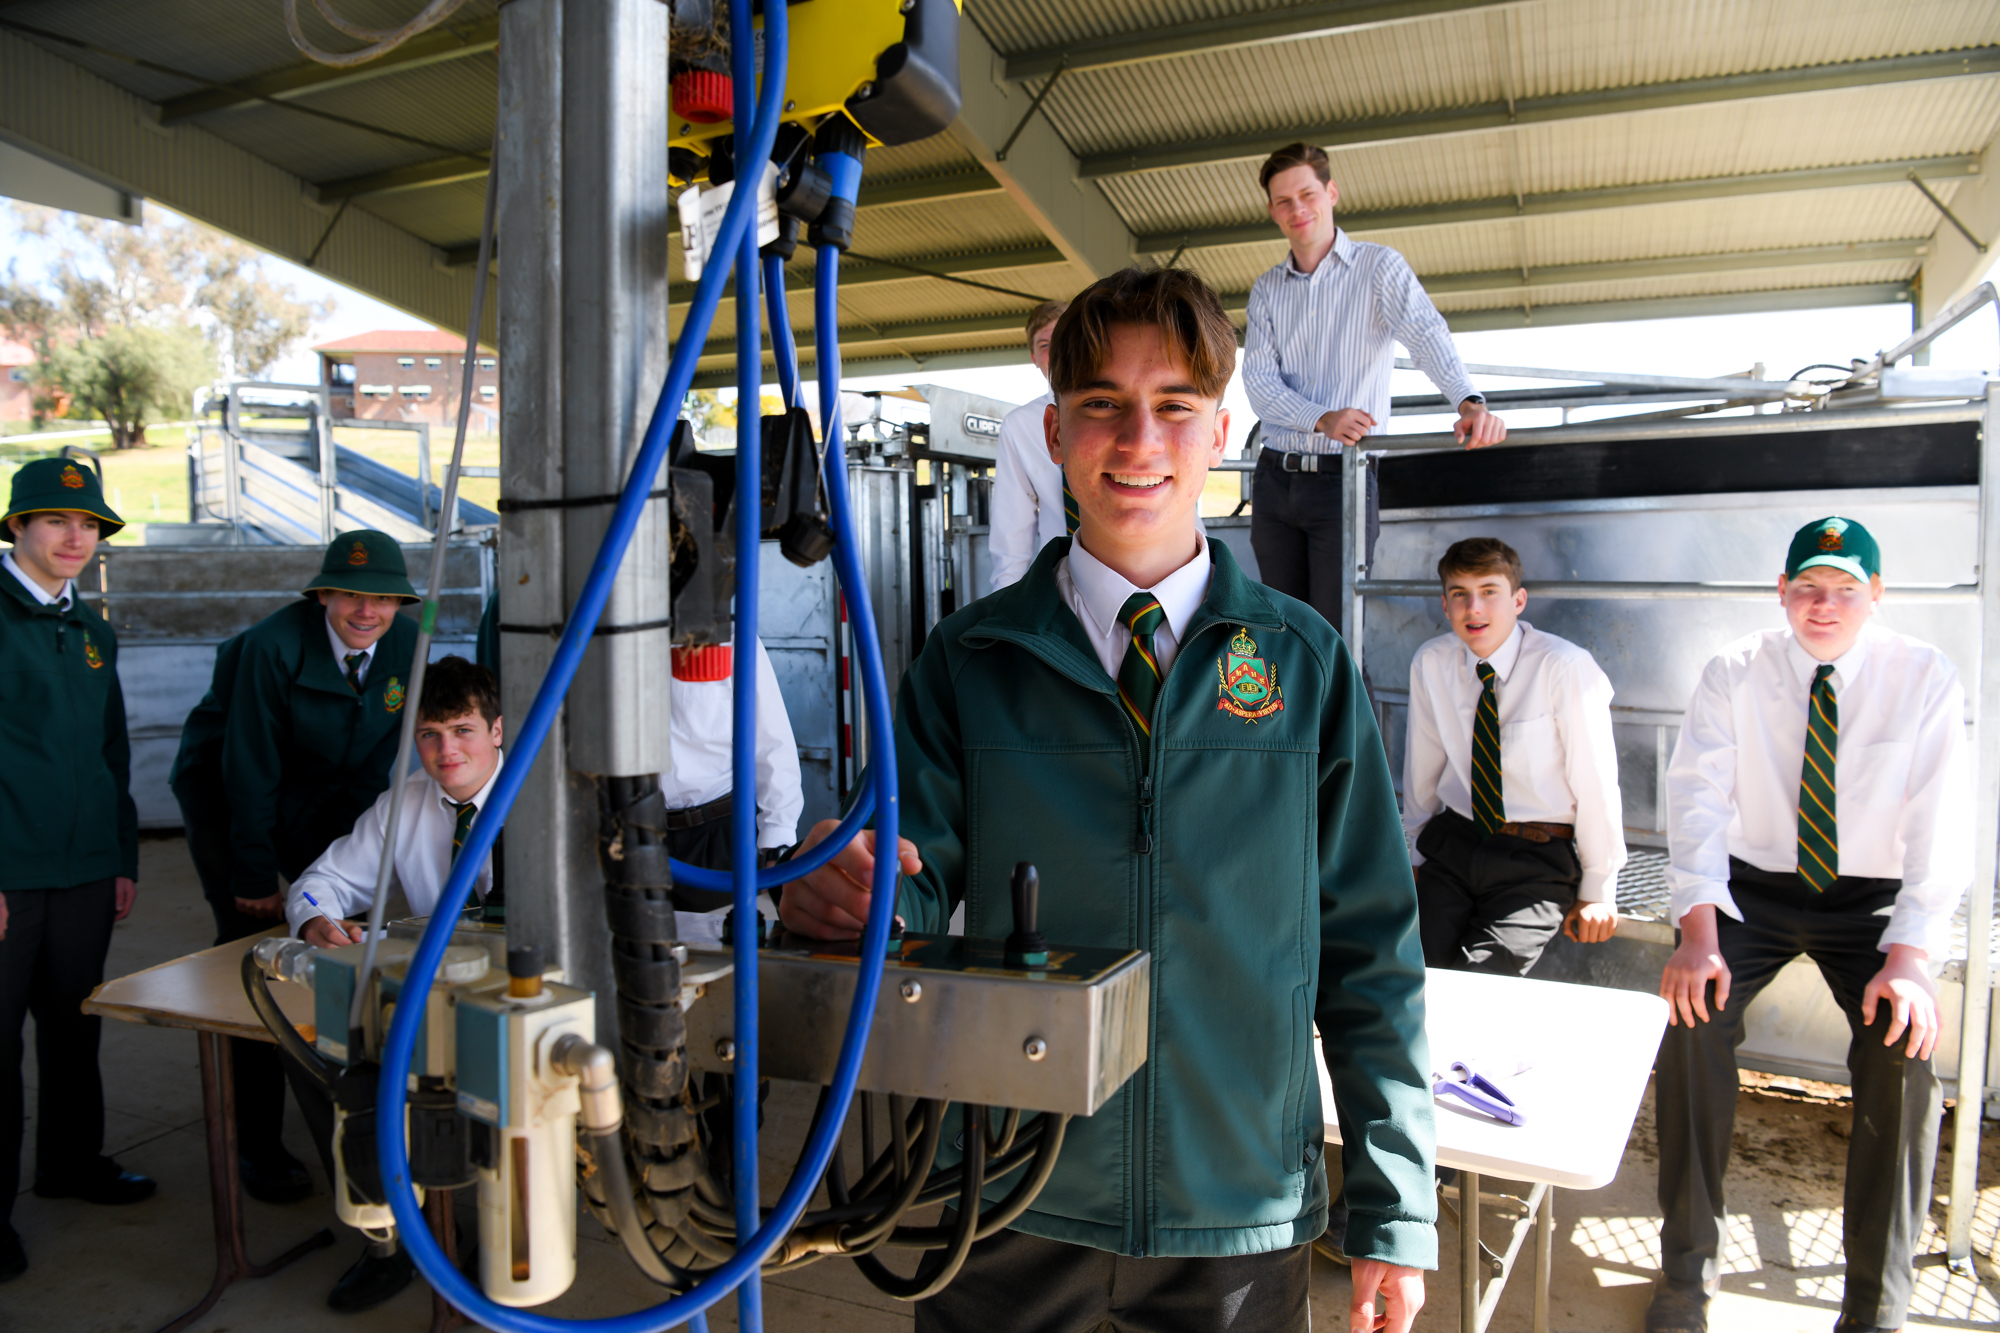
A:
{"points": [[1142, 1083]]}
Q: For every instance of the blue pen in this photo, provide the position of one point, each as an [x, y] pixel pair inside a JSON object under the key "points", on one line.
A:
{"points": [[338, 924]]}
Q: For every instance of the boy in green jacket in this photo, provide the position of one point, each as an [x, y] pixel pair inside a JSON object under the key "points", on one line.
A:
{"points": [[1190, 761], [293, 741], [71, 834]]}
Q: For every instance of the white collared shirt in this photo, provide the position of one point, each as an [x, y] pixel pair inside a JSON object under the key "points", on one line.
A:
{"points": [[1026, 511], [1558, 764], [1902, 775], [701, 728], [1097, 593], [1319, 342], [36, 590], [343, 878], [341, 651]]}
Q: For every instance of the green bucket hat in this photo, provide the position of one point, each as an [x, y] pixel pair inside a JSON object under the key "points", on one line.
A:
{"points": [[48, 485], [367, 562], [1836, 543]]}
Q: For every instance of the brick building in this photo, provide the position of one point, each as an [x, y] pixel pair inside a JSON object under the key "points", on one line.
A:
{"points": [[16, 395], [408, 375]]}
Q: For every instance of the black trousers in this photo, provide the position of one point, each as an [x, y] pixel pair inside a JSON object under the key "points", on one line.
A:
{"points": [[1490, 904], [1014, 1281], [1296, 524], [51, 958], [1897, 1103], [260, 1085]]}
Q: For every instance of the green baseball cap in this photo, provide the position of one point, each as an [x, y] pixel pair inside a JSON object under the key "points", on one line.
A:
{"points": [[367, 562], [50, 485], [1836, 543]]}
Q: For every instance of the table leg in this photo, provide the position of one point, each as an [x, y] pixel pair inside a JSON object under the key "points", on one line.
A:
{"points": [[1469, 1259], [225, 1190], [444, 1228], [1545, 1256]]}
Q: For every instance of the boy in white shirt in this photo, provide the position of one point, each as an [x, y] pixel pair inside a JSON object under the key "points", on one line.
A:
{"points": [[1819, 803], [1510, 777], [1029, 508], [458, 743]]}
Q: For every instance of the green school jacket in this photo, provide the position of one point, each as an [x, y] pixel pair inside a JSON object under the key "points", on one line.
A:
{"points": [[1263, 865], [282, 751], [66, 812]]}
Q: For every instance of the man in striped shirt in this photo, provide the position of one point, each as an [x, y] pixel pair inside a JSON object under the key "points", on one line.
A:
{"points": [[1316, 362]]}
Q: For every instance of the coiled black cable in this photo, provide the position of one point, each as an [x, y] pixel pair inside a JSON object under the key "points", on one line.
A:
{"points": [[280, 1027]]}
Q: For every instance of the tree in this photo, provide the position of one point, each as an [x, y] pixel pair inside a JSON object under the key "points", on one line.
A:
{"points": [[206, 297], [132, 374]]}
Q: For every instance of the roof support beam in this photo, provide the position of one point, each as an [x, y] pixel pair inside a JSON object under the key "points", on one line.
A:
{"points": [[865, 334], [1682, 307], [928, 189], [1525, 282], [1300, 23], [449, 41], [1955, 265], [1039, 173], [1014, 354], [1583, 201], [415, 176], [865, 275], [1983, 60], [63, 112]]}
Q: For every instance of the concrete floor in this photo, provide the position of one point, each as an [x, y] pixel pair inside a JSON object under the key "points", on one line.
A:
{"points": [[97, 1270]]}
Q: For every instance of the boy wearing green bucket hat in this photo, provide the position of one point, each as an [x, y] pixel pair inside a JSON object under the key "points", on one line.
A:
{"points": [[294, 740], [1819, 803], [71, 834]]}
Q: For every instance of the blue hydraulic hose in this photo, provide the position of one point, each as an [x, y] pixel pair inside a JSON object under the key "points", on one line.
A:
{"points": [[782, 346], [743, 749], [721, 881]]}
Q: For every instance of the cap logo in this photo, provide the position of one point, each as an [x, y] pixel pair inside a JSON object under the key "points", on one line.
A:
{"points": [[1830, 535], [357, 555], [71, 477]]}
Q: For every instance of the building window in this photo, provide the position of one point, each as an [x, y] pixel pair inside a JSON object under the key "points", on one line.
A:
{"points": [[415, 391], [486, 363], [407, 362], [340, 374], [433, 362], [377, 390], [488, 390]]}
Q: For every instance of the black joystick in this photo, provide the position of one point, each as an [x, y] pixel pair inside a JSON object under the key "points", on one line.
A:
{"points": [[1026, 947]]}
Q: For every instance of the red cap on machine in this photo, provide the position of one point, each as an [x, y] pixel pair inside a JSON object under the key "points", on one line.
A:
{"points": [[703, 96], [711, 662]]}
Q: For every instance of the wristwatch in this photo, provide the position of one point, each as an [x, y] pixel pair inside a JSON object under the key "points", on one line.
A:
{"points": [[1479, 398]]}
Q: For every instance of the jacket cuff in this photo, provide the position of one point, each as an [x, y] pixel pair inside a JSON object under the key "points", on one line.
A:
{"points": [[1391, 1240]]}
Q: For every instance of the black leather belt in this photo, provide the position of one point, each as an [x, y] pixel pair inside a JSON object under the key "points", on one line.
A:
{"points": [[1292, 461], [697, 815]]}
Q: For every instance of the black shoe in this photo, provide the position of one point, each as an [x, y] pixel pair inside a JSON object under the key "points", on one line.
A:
{"points": [[1678, 1307], [13, 1259], [107, 1183], [375, 1278], [279, 1179]]}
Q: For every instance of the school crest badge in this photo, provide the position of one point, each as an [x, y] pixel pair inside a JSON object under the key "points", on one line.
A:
{"points": [[91, 655], [1830, 535], [392, 698], [357, 554], [72, 478], [1248, 686]]}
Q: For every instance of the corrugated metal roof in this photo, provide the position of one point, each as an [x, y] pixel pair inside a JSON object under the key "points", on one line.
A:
{"points": [[1207, 92]]}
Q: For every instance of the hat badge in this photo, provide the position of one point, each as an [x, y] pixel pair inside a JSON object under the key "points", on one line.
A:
{"points": [[357, 554], [1829, 536], [71, 477]]}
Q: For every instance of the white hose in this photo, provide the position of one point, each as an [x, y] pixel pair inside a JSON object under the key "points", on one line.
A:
{"points": [[382, 40]]}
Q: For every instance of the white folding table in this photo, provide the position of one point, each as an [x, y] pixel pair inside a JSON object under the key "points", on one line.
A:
{"points": [[1575, 1059]]}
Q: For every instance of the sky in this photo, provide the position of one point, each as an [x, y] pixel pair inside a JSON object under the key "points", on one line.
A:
{"points": [[1719, 345]]}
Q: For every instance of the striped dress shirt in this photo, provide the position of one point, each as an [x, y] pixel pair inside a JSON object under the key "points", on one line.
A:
{"points": [[1322, 341]]}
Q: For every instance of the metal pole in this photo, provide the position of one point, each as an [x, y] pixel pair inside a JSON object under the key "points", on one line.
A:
{"points": [[1967, 1120], [1545, 1256], [1353, 544], [1469, 1258]]}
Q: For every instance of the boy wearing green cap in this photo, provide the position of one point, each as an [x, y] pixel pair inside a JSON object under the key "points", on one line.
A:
{"points": [[71, 834], [1819, 803], [294, 740]]}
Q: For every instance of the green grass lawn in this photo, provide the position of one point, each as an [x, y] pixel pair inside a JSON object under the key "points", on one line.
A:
{"points": [[143, 485]]}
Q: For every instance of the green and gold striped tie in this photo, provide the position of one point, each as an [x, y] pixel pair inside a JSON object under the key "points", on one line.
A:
{"points": [[462, 828], [1489, 800], [354, 661], [1819, 832], [1139, 673], [1070, 515]]}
